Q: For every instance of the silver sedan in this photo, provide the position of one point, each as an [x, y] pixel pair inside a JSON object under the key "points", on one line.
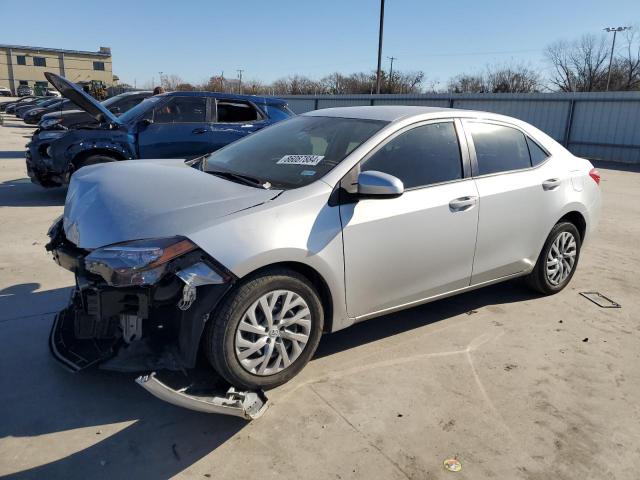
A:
{"points": [[249, 254]]}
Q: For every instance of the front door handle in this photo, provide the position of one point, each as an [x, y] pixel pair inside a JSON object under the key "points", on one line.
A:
{"points": [[551, 184], [198, 131], [462, 204]]}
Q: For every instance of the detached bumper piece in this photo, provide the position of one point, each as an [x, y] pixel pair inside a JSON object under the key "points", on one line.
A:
{"points": [[247, 405], [76, 354]]}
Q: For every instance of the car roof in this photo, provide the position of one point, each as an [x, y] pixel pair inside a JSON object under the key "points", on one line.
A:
{"points": [[227, 96], [393, 113]]}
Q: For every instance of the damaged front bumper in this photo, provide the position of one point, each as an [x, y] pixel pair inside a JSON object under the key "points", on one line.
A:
{"points": [[154, 329], [247, 405]]}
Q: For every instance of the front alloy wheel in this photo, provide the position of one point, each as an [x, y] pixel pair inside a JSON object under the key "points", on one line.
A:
{"points": [[266, 329], [273, 332]]}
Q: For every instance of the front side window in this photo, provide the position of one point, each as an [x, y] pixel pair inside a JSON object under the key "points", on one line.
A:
{"points": [[98, 65], [422, 156], [232, 112], [39, 62], [181, 110], [498, 148], [21, 59], [295, 152]]}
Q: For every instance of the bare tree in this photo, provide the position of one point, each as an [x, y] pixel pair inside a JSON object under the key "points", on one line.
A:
{"points": [[171, 82], [512, 78], [467, 83], [185, 87], [625, 71], [579, 66]]}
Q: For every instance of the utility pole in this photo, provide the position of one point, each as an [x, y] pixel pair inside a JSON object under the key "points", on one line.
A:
{"points": [[240, 80], [378, 73], [391, 73], [615, 31]]}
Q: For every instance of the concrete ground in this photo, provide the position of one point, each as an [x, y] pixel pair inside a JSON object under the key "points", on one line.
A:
{"points": [[513, 385]]}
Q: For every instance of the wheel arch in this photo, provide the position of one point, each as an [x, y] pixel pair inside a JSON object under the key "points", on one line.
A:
{"points": [[577, 219], [316, 279], [84, 154]]}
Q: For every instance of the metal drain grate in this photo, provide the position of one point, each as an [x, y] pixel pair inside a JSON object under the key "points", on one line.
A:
{"points": [[600, 300]]}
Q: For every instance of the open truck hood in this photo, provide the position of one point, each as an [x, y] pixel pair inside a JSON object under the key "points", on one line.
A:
{"points": [[138, 199], [86, 102]]}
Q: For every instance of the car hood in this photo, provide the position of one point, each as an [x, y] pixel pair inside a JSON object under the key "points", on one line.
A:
{"points": [[80, 98], [138, 199]]}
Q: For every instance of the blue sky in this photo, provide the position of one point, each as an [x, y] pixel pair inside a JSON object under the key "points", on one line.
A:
{"points": [[271, 39]]}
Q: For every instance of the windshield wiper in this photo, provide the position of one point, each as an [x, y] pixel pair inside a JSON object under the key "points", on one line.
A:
{"points": [[240, 178]]}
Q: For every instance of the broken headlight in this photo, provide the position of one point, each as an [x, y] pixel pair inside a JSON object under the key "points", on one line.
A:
{"points": [[141, 262]]}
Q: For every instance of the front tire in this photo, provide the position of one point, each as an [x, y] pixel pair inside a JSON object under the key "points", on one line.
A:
{"points": [[266, 330], [94, 160], [558, 260]]}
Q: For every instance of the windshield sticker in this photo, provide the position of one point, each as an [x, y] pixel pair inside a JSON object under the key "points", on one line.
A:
{"points": [[311, 160], [308, 173]]}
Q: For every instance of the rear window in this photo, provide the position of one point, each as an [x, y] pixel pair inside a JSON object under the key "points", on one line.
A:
{"points": [[498, 148], [235, 111]]}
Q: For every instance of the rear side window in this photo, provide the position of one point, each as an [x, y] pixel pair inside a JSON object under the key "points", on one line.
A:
{"points": [[422, 156], [537, 154], [181, 110], [232, 112], [498, 148]]}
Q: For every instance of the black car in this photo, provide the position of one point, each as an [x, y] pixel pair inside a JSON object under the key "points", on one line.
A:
{"points": [[73, 118], [170, 125], [43, 102], [9, 107], [33, 116]]}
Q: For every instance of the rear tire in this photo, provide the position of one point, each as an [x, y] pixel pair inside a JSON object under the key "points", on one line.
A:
{"points": [[249, 350], [558, 260]]}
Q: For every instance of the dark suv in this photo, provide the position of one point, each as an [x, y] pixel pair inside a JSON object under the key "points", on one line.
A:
{"points": [[171, 125]]}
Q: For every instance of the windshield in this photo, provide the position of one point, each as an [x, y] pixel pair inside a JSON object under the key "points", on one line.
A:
{"points": [[295, 152], [133, 113]]}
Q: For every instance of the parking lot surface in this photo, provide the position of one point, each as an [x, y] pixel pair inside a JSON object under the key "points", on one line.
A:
{"points": [[513, 385]]}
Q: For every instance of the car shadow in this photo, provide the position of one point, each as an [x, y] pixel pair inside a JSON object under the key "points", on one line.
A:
{"points": [[22, 193], [416, 317], [130, 434]]}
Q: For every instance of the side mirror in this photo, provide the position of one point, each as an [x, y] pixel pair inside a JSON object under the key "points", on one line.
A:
{"points": [[145, 122], [379, 184]]}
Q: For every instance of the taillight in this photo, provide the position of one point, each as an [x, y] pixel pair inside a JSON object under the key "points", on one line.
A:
{"points": [[595, 174]]}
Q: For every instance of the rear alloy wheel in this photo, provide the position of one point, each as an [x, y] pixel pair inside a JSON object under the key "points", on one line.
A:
{"points": [[558, 260], [266, 330]]}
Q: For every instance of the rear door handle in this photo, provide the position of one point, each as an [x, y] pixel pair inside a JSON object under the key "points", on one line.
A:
{"points": [[462, 204], [198, 131], [551, 184]]}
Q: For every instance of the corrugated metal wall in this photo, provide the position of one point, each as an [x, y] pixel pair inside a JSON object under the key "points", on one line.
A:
{"points": [[603, 126]]}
